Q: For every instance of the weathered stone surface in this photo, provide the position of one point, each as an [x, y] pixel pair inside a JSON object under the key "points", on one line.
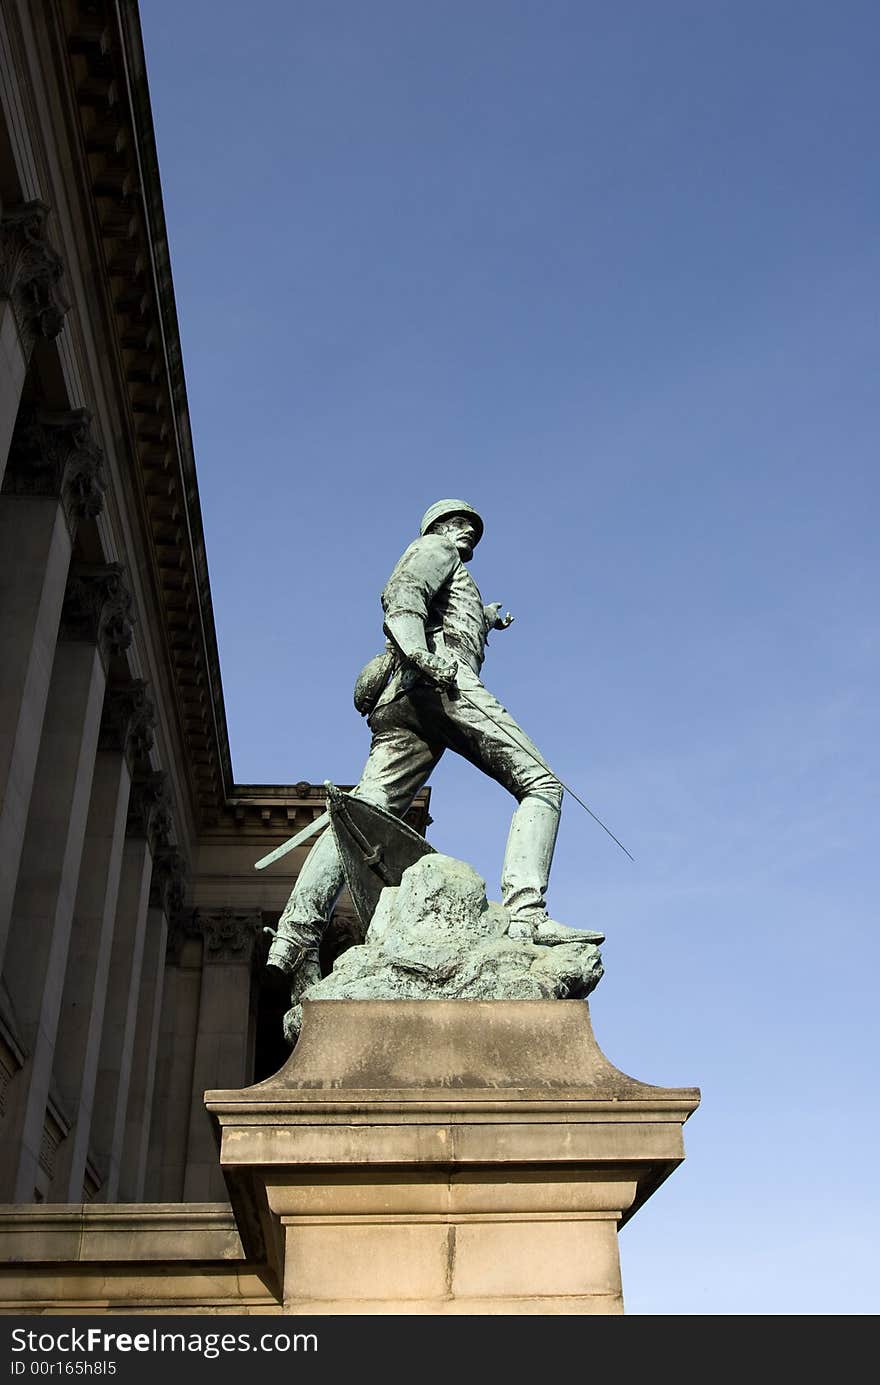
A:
{"points": [[437, 937], [453, 1158]]}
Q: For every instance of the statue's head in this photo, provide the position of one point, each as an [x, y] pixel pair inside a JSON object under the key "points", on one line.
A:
{"points": [[456, 518]]}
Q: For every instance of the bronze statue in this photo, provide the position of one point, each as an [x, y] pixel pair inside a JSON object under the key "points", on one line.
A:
{"points": [[422, 697]]}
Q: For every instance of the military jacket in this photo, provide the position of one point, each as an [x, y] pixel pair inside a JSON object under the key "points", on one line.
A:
{"points": [[430, 581]]}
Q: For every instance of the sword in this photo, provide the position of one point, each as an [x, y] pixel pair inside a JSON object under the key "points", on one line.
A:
{"points": [[323, 821], [455, 691], [313, 828]]}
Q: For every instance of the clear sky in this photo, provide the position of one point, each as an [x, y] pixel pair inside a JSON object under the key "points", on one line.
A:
{"points": [[610, 272]]}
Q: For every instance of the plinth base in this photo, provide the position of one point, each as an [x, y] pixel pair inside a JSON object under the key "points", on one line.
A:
{"points": [[445, 1157]]}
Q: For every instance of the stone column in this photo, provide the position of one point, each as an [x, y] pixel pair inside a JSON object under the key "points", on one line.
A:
{"points": [[172, 1094], [148, 820], [125, 740], [54, 479], [94, 627], [30, 304], [223, 1044], [166, 899]]}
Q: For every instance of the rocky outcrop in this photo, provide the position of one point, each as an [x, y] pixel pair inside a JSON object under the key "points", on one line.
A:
{"points": [[437, 937]]}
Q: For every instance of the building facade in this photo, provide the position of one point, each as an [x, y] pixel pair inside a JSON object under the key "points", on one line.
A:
{"points": [[130, 914]]}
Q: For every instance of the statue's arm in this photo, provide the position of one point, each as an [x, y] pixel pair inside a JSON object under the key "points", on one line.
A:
{"points": [[425, 566]]}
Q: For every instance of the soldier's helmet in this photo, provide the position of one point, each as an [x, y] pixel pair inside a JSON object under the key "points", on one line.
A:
{"points": [[445, 509]]}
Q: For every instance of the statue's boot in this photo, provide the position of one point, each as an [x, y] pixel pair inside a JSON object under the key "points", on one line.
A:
{"points": [[550, 933], [294, 948], [526, 872], [296, 955], [527, 860]]}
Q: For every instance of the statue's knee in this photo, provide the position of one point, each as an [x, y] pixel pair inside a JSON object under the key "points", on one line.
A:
{"points": [[550, 791]]}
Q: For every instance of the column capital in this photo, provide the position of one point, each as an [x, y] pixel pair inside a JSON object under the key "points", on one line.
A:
{"points": [[168, 882], [30, 273], [127, 721], [229, 934], [180, 930], [52, 453], [97, 608], [149, 812]]}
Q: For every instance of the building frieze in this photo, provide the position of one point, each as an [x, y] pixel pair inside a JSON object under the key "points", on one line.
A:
{"points": [[120, 171], [30, 273], [267, 810]]}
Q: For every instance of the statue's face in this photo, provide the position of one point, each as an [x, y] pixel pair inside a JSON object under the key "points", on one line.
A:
{"points": [[462, 530]]}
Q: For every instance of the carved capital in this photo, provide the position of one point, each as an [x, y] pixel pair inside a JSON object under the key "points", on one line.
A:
{"points": [[127, 720], [52, 453], [180, 930], [97, 608], [168, 882], [229, 934], [149, 812], [30, 273]]}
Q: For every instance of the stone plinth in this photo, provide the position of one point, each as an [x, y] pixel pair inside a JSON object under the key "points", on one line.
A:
{"points": [[445, 1157]]}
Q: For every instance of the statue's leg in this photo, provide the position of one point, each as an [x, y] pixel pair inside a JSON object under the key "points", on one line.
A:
{"points": [[294, 948], [401, 758], [528, 856], [399, 763], [484, 732]]}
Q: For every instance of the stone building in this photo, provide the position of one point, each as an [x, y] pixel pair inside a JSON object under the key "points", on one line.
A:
{"points": [[130, 913]]}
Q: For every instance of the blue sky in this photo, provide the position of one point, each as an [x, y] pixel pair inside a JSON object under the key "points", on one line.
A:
{"points": [[609, 271]]}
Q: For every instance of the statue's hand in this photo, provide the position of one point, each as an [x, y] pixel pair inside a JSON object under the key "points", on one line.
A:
{"points": [[494, 619], [439, 671]]}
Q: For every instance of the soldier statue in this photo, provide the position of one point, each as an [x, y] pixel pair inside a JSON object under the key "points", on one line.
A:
{"points": [[424, 695]]}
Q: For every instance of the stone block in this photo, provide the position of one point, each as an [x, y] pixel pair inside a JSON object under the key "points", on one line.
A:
{"points": [[446, 1157]]}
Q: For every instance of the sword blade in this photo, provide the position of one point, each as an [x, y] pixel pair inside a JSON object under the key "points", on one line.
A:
{"points": [[313, 828], [516, 741]]}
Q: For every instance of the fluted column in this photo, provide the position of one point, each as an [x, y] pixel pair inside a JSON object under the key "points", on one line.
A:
{"points": [[224, 1044], [125, 740], [94, 626], [166, 899], [148, 821], [30, 304], [54, 479]]}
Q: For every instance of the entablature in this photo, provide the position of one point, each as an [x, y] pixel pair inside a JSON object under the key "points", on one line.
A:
{"points": [[101, 46]]}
